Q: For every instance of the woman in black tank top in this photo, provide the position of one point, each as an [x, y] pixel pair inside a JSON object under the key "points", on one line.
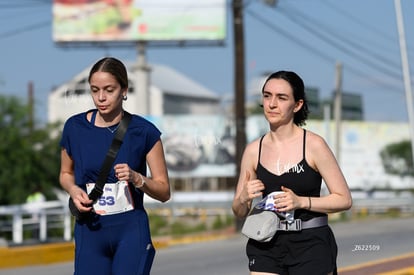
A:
{"points": [[290, 159]]}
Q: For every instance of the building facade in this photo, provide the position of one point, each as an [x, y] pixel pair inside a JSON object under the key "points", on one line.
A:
{"points": [[168, 92]]}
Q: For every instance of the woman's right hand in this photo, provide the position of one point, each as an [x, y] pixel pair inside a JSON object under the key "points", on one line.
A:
{"points": [[252, 189], [80, 199]]}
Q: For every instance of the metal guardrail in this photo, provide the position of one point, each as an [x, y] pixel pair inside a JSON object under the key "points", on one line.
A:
{"points": [[37, 215], [45, 215], [383, 205]]}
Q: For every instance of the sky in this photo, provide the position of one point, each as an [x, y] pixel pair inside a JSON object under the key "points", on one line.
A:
{"points": [[309, 37]]}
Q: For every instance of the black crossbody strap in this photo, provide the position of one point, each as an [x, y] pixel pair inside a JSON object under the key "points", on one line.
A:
{"points": [[97, 191]]}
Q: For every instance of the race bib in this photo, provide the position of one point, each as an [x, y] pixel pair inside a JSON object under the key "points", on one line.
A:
{"points": [[116, 198], [268, 203]]}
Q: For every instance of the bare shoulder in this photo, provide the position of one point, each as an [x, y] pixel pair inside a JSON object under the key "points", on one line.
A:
{"points": [[251, 154], [315, 141], [317, 150], [252, 148]]}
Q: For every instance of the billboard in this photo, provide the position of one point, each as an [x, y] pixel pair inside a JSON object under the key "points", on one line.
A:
{"points": [[193, 150], [138, 20]]}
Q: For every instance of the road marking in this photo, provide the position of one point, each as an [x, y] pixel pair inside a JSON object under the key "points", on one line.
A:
{"points": [[404, 271], [377, 262]]}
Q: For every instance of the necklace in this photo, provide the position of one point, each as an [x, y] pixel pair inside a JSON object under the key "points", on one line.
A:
{"points": [[113, 130]]}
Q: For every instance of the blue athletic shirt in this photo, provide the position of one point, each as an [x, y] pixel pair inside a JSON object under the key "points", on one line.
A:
{"points": [[88, 144]]}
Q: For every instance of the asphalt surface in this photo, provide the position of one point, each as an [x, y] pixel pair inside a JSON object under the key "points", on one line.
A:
{"points": [[363, 247]]}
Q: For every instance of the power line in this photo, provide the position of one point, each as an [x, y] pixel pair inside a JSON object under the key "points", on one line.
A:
{"points": [[316, 51], [18, 14], [360, 55], [352, 42], [25, 29], [291, 37], [371, 28], [22, 9], [27, 4]]}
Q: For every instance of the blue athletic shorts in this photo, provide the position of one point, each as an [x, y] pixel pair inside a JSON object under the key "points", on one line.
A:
{"points": [[310, 251]]}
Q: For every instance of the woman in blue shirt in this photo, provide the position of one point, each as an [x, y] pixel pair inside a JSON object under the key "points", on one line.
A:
{"points": [[116, 242]]}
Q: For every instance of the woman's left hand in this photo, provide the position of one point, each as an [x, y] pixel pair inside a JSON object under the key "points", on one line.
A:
{"points": [[123, 172], [287, 201]]}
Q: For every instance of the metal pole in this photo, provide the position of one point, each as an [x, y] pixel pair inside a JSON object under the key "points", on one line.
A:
{"points": [[31, 106], [142, 83], [327, 121], [338, 110], [42, 225], [17, 227], [406, 71], [67, 224]]}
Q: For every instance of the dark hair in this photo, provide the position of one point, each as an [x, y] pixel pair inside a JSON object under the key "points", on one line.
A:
{"points": [[113, 66], [298, 88]]}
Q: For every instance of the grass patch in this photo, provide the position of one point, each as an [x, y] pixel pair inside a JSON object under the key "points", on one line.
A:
{"points": [[164, 225]]}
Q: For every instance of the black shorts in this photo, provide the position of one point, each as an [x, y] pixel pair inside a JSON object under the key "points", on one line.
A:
{"points": [[310, 251]]}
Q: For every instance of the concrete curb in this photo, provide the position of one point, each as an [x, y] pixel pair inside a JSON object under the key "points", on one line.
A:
{"points": [[44, 254], [36, 254]]}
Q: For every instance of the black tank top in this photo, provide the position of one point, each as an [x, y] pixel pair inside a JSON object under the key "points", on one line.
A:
{"points": [[302, 179]]}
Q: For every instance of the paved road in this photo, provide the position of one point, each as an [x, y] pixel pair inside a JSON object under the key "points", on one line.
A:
{"points": [[359, 242], [364, 241]]}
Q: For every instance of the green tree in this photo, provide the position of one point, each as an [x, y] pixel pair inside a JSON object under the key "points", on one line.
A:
{"points": [[397, 158], [29, 157]]}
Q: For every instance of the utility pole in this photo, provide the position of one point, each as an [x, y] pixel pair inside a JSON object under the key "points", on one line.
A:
{"points": [[239, 82], [239, 78], [338, 111], [406, 72], [239, 88]]}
